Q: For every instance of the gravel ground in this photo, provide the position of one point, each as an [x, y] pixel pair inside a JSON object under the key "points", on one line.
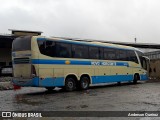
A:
{"points": [[5, 83], [144, 96], [5, 79]]}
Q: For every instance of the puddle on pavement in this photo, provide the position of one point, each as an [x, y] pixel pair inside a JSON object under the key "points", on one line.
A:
{"points": [[83, 106], [70, 107], [73, 107], [22, 99], [149, 103], [135, 86]]}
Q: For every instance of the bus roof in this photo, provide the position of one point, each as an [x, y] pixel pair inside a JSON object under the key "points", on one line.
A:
{"points": [[92, 43]]}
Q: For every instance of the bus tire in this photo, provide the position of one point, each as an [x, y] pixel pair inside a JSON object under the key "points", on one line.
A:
{"points": [[136, 78], [70, 84], [84, 83], [50, 88]]}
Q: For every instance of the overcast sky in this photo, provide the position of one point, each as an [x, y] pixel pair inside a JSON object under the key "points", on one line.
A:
{"points": [[111, 20]]}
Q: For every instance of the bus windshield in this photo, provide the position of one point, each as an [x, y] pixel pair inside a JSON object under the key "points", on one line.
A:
{"points": [[22, 43]]}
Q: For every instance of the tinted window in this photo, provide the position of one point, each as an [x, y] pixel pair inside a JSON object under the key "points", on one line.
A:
{"points": [[121, 55], [79, 51], [42, 46], [47, 48], [109, 54], [101, 53], [132, 56], [63, 50], [93, 52], [55, 49], [22, 43]]}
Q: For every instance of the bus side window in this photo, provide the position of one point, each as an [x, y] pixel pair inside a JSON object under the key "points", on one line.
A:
{"points": [[50, 49], [101, 56], [80, 51], [132, 56], [42, 46], [93, 52], [76, 51], [63, 50], [122, 55], [47, 48], [109, 54]]}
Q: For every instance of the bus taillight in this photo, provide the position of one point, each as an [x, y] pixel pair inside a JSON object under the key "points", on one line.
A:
{"points": [[16, 87], [33, 70]]}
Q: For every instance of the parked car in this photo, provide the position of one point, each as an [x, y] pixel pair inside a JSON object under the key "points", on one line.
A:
{"points": [[6, 71]]}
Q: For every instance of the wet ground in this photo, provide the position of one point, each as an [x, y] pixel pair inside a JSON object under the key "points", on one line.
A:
{"points": [[126, 97]]}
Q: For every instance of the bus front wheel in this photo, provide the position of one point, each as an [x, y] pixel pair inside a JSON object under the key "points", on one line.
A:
{"points": [[84, 83], [70, 84]]}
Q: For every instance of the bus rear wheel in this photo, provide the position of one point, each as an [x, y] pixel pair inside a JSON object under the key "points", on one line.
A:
{"points": [[84, 83], [50, 88], [70, 84]]}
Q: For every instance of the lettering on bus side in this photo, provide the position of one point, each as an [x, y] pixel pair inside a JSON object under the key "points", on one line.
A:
{"points": [[95, 63], [104, 63], [108, 63]]}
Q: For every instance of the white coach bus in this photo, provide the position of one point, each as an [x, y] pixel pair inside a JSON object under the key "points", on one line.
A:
{"points": [[53, 62]]}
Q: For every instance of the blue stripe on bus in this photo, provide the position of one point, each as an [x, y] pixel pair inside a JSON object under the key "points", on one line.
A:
{"points": [[44, 61], [34, 82], [72, 62], [116, 78], [77, 62], [111, 78], [59, 81], [49, 82], [121, 64]]}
